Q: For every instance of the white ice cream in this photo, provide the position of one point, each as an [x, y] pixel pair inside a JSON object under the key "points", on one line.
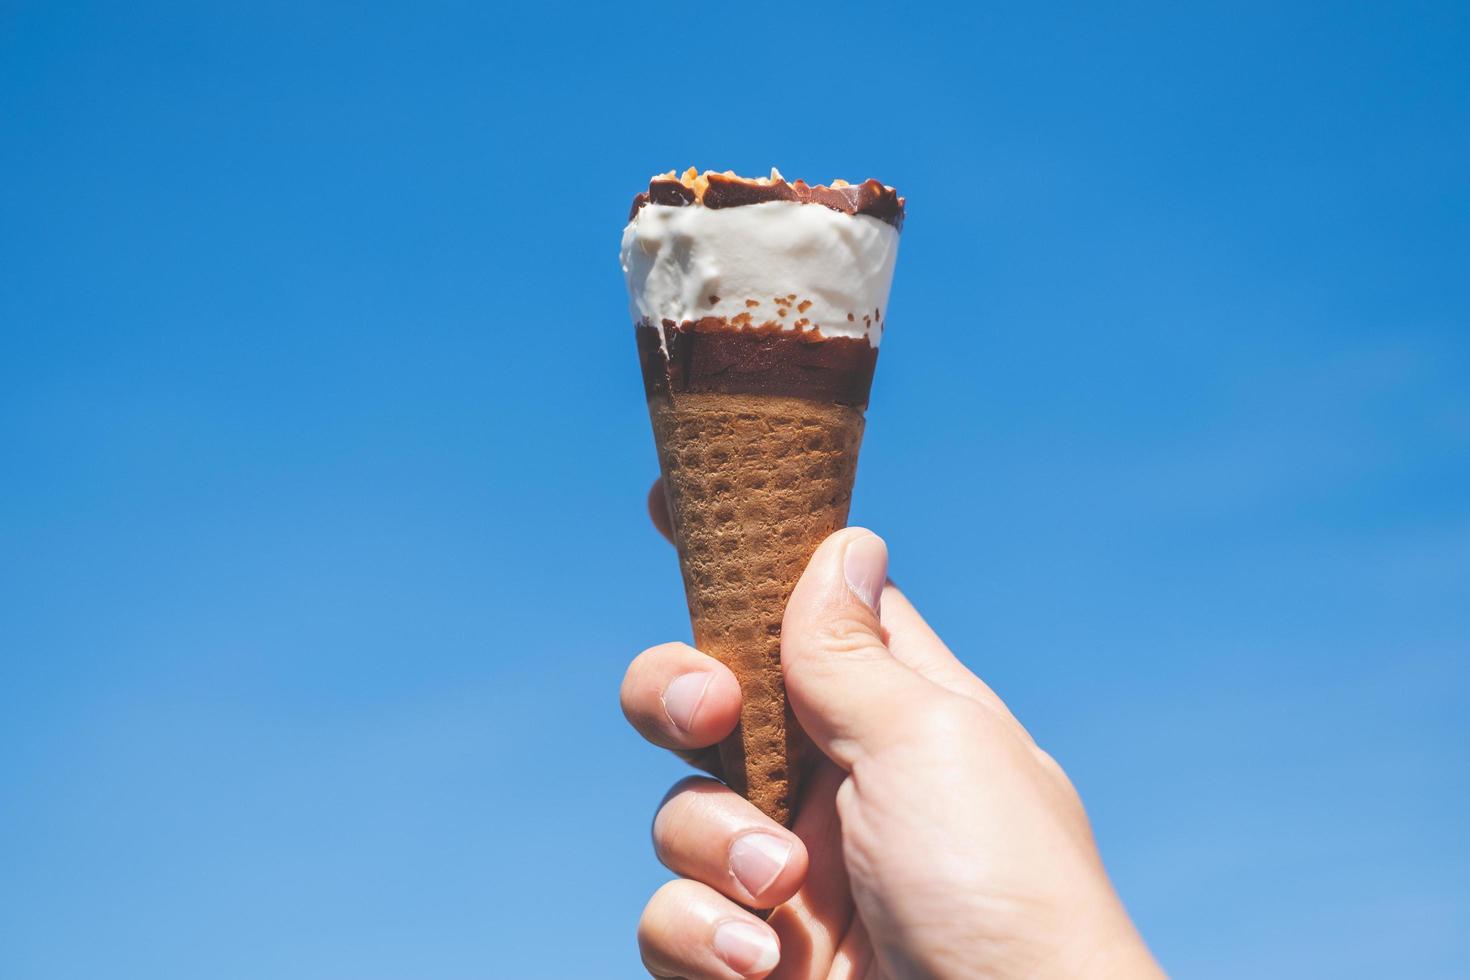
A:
{"points": [[801, 266]]}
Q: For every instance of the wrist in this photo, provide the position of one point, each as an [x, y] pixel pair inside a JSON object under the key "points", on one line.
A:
{"points": [[1095, 940], [1111, 950]]}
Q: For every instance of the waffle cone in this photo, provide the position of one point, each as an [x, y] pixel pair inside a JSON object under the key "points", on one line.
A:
{"points": [[754, 484]]}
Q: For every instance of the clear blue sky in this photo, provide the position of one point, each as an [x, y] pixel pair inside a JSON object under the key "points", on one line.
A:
{"points": [[323, 455]]}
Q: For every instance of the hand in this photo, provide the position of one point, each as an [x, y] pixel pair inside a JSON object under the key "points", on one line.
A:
{"points": [[934, 838]]}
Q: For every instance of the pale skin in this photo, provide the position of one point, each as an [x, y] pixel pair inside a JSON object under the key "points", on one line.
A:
{"points": [[934, 838]]}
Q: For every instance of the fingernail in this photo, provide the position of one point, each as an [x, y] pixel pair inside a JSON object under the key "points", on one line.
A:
{"points": [[682, 696], [746, 948], [757, 860], [865, 565]]}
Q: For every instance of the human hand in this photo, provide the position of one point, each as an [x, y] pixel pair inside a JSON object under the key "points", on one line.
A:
{"points": [[934, 838]]}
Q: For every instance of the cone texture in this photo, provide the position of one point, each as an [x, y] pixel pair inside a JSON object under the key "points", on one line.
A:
{"points": [[754, 484]]}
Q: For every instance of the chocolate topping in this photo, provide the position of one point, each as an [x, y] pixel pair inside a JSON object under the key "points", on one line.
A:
{"points": [[712, 356], [639, 199], [731, 192], [726, 190], [670, 192], [869, 197]]}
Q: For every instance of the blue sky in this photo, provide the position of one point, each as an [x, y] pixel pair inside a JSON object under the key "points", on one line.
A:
{"points": [[324, 459]]}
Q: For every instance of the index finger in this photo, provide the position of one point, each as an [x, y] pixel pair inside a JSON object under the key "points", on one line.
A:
{"points": [[681, 699], [658, 509]]}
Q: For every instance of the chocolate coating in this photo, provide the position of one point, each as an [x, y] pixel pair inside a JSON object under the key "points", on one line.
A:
{"points": [[639, 199], [670, 192], [732, 192], [712, 356], [870, 197]]}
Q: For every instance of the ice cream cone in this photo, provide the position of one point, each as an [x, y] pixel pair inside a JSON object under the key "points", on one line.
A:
{"points": [[757, 323], [754, 484]]}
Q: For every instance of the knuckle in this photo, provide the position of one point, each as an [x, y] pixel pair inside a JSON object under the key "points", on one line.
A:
{"points": [[671, 810], [834, 646], [677, 812], [949, 721], [637, 669], [1048, 761], [685, 790], [654, 653], [1053, 769], [849, 637], [667, 916], [661, 904]]}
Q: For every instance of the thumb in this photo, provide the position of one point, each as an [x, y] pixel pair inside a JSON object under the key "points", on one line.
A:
{"points": [[850, 694]]}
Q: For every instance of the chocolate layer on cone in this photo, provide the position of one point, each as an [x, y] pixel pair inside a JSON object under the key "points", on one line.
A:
{"points": [[758, 434], [713, 356]]}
